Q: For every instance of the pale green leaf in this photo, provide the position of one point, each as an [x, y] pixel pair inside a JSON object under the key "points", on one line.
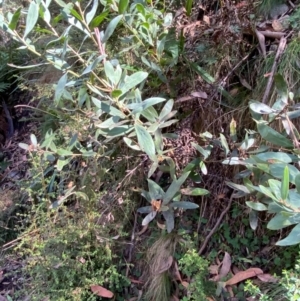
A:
{"points": [[145, 141], [155, 191], [194, 191], [111, 28], [184, 205], [174, 188], [285, 183], [32, 17], [131, 144], [123, 6], [146, 209], [256, 206], [33, 140], [133, 80], [292, 239], [253, 219], [169, 217], [149, 217], [224, 144], [90, 15], [60, 88]]}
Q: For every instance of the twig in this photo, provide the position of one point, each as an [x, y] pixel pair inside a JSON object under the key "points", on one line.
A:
{"points": [[279, 52], [213, 230]]}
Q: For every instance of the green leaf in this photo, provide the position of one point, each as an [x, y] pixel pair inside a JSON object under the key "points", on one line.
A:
{"points": [[139, 107], [207, 77], [109, 109], [261, 108], [149, 217], [267, 192], [194, 191], [169, 217], [146, 209], [275, 157], [98, 20], [238, 187], [282, 220], [285, 183], [15, 19], [60, 88], [133, 80], [276, 170], [90, 15], [62, 163], [282, 89], [145, 141], [166, 109], [257, 206], [152, 168], [110, 72], [32, 17], [123, 6], [131, 144], [174, 188], [201, 150], [253, 219], [184, 205], [24, 146], [64, 152], [203, 168], [111, 28], [273, 136], [33, 140], [188, 7], [155, 191], [292, 239], [224, 144], [297, 182], [92, 66]]}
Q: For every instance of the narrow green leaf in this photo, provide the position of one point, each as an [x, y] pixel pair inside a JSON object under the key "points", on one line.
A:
{"points": [[224, 144], [145, 141], [64, 152], [59, 91], [166, 109], [33, 140], [98, 20], [146, 209], [169, 217], [297, 182], [111, 28], [60, 164], [133, 80], [15, 19], [131, 144], [285, 183], [184, 205], [153, 168], [174, 188], [93, 65], [149, 217], [123, 6], [253, 219], [188, 7], [90, 15], [110, 72], [203, 168], [32, 17], [207, 77], [194, 191], [111, 110], [256, 206], [155, 191], [201, 150], [238, 187]]}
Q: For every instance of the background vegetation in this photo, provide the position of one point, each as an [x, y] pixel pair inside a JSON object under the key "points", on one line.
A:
{"points": [[149, 150]]}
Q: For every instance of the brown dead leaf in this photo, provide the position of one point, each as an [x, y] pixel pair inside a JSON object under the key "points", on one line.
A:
{"points": [[267, 278], [174, 298], [185, 284], [243, 275], [176, 272], [277, 26], [199, 94], [206, 19], [226, 264], [235, 269], [101, 291]]}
